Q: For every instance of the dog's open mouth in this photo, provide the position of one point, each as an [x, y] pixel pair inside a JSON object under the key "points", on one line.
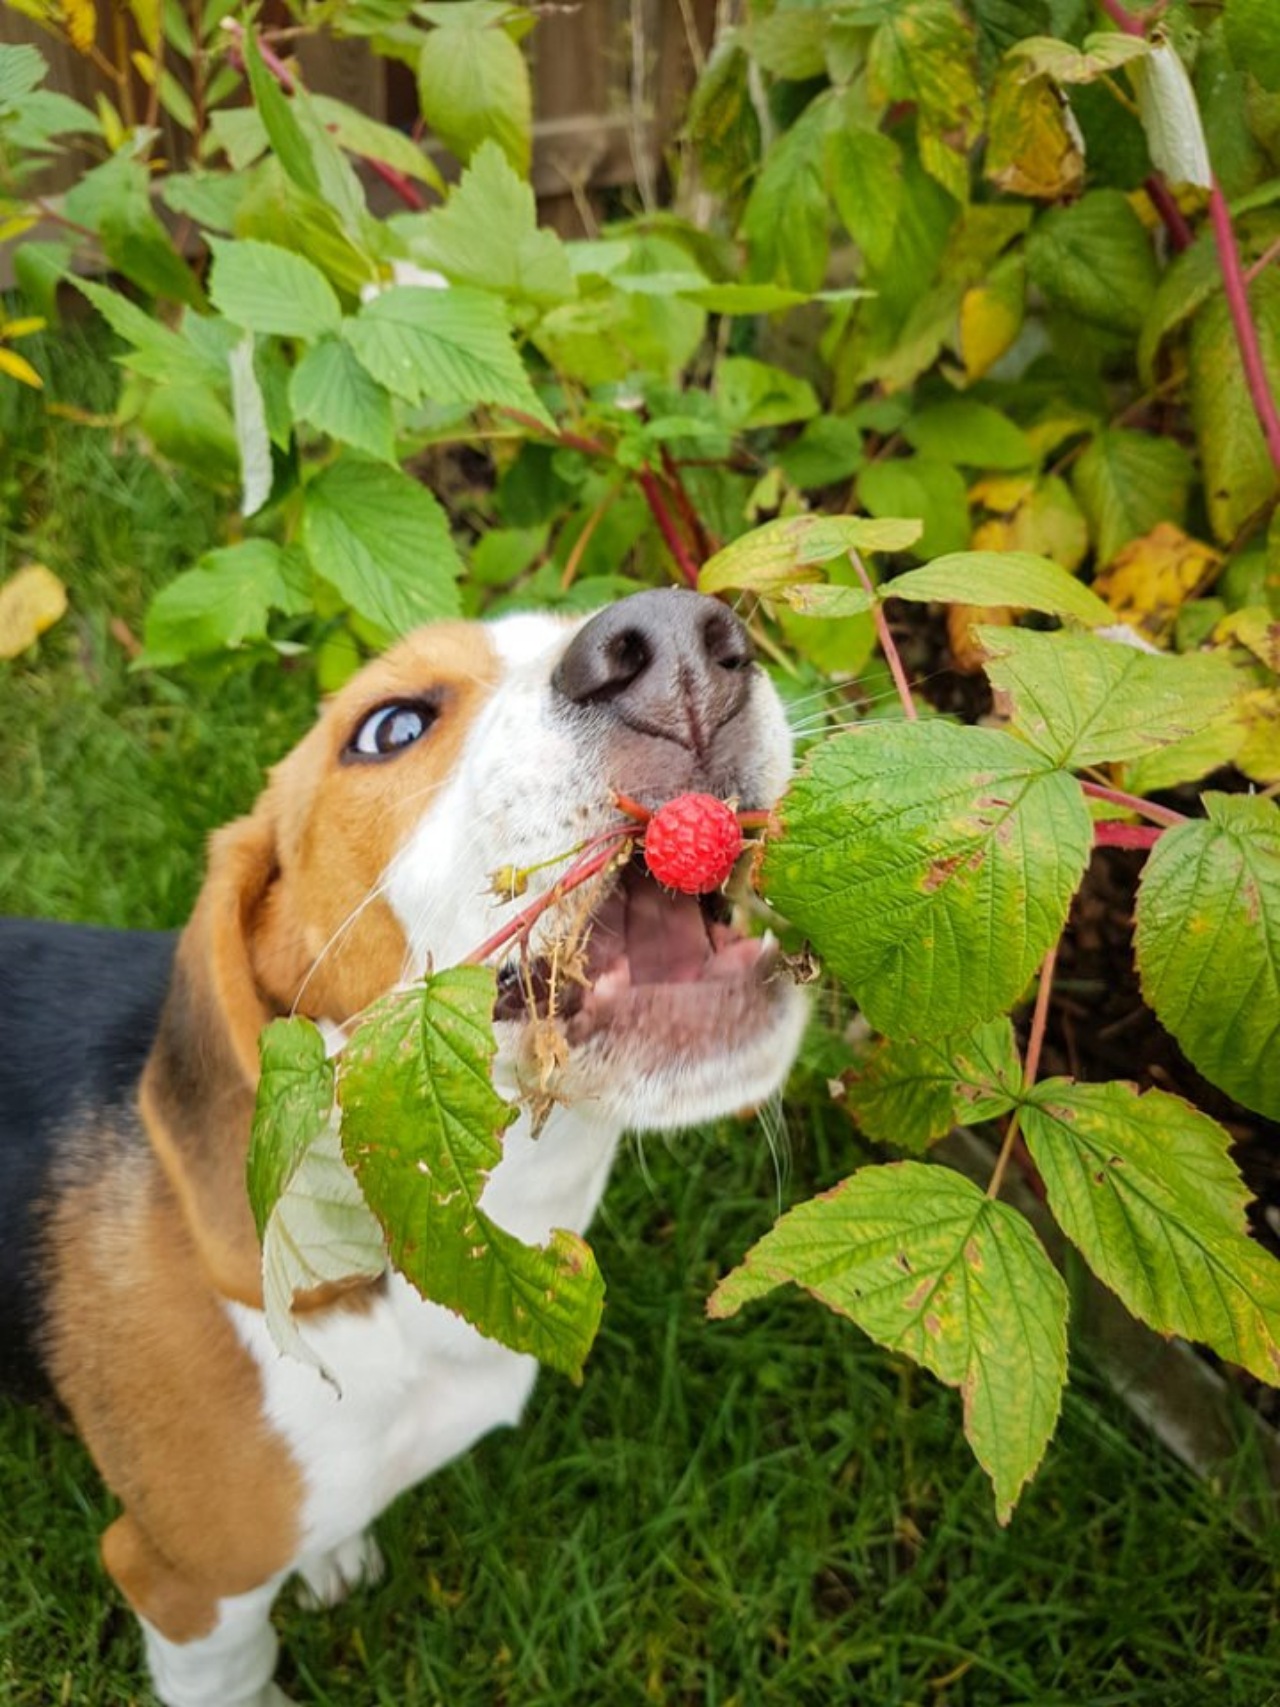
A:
{"points": [[652, 960]]}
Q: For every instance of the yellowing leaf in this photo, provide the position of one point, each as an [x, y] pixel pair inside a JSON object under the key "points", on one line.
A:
{"points": [[18, 367], [966, 653], [1037, 515], [1256, 630], [1153, 576], [22, 328], [30, 601], [1034, 147], [991, 316], [81, 20], [146, 14]]}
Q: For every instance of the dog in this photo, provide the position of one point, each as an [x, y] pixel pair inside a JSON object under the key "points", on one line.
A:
{"points": [[130, 1269]]}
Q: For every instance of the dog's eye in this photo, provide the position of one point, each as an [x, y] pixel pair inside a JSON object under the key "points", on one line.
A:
{"points": [[391, 728]]}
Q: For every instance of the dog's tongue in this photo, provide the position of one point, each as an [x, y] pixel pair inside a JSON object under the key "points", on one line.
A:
{"points": [[665, 936]]}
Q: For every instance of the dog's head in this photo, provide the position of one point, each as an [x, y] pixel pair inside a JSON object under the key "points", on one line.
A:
{"points": [[466, 749]]}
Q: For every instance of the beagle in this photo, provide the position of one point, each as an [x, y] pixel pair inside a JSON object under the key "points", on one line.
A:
{"points": [[129, 1263]]}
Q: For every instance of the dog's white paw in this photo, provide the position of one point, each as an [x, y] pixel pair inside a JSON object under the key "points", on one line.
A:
{"points": [[330, 1577]]}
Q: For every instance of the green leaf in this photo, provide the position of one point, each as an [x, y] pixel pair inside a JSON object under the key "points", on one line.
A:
{"points": [[22, 68], [1189, 280], [1145, 1188], [332, 392], [271, 290], [157, 352], [1017, 578], [740, 298], [1127, 482], [367, 137], [910, 1094], [785, 219], [383, 541], [445, 346], [295, 1099], [1208, 944], [1252, 41], [114, 200], [932, 867], [924, 487], [788, 550], [828, 602], [190, 425], [1239, 477], [279, 119], [865, 169], [487, 235], [419, 1123], [1101, 54], [1095, 260], [929, 1267], [223, 602], [970, 434], [474, 84], [1081, 700], [757, 394]]}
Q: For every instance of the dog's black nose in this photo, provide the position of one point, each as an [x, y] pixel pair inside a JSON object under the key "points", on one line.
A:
{"points": [[669, 663]]}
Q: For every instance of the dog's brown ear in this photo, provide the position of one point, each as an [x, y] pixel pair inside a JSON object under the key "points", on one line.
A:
{"points": [[201, 1077]]}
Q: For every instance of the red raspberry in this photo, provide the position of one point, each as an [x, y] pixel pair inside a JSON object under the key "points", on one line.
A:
{"points": [[692, 843]]}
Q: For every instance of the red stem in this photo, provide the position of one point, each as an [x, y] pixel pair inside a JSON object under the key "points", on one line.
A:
{"points": [[1040, 1018], [1246, 331], [652, 489], [1124, 19], [1164, 815], [570, 441], [589, 865], [1162, 199], [1109, 835], [694, 525], [405, 188], [887, 643]]}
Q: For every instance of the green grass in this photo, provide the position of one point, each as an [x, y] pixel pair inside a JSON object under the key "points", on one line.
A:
{"points": [[764, 1511]]}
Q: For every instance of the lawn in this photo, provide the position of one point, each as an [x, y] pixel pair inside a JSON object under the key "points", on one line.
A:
{"points": [[764, 1511]]}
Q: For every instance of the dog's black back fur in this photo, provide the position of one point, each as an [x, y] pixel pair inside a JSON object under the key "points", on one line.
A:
{"points": [[78, 1013]]}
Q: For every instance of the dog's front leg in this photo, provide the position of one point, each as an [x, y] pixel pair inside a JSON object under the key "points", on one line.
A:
{"points": [[201, 1652], [230, 1667]]}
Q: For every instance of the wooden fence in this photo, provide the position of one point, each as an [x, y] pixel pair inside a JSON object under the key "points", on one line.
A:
{"points": [[610, 79]]}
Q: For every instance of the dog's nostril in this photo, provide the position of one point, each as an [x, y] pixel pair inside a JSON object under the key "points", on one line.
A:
{"points": [[629, 654], [726, 641]]}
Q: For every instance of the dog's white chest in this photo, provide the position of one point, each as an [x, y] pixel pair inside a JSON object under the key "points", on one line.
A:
{"points": [[416, 1385]]}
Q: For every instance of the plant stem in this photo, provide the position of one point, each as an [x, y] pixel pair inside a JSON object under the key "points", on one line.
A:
{"points": [[1246, 331], [652, 489], [887, 643], [1133, 803], [1109, 835], [570, 441], [1124, 19], [694, 525], [591, 863], [1171, 214], [1030, 1067]]}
